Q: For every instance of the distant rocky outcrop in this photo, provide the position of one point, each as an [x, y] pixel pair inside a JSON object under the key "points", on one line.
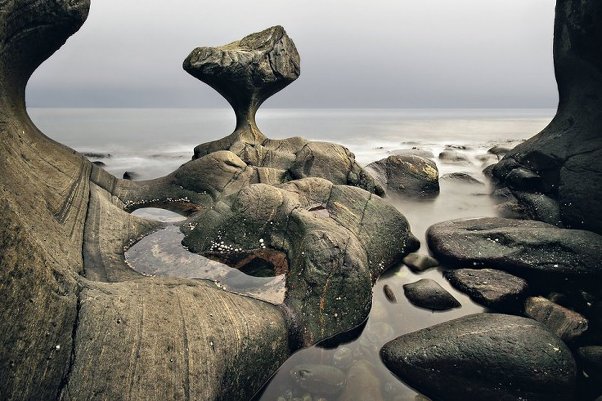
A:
{"points": [[72, 309], [564, 161]]}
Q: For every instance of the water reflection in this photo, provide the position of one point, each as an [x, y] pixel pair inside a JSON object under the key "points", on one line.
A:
{"points": [[162, 254]]}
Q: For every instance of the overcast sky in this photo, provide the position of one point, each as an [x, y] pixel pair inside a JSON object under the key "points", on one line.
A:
{"points": [[354, 53]]}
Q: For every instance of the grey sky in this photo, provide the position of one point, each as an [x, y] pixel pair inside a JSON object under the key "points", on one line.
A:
{"points": [[354, 53]]}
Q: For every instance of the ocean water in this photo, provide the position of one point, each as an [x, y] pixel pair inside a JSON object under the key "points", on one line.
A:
{"points": [[153, 143]]}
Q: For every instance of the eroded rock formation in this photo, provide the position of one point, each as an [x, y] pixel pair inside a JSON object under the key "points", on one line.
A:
{"points": [[246, 73], [72, 310], [564, 161]]}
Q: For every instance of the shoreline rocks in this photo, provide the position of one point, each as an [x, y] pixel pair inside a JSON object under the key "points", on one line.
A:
{"points": [[484, 357], [407, 175], [564, 161], [428, 294], [521, 247], [489, 287]]}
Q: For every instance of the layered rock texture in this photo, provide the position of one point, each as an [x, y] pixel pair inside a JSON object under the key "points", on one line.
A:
{"points": [[564, 161], [77, 323]]}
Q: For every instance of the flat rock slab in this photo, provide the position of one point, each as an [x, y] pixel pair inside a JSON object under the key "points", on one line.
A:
{"points": [[484, 357], [489, 287], [517, 246], [427, 293], [567, 324]]}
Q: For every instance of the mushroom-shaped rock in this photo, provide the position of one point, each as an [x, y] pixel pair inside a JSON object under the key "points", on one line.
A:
{"points": [[247, 72], [484, 357]]}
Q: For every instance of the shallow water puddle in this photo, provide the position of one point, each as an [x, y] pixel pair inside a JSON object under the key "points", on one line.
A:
{"points": [[162, 254]]}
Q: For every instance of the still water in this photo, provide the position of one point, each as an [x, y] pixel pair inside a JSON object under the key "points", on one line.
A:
{"points": [[154, 142]]}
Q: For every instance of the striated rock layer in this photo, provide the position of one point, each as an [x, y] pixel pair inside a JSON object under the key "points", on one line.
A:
{"points": [[77, 323]]}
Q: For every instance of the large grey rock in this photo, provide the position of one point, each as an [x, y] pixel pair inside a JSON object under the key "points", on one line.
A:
{"points": [[565, 160], [489, 287], [565, 323], [407, 175], [517, 246], [427, 293], [484, 357]]}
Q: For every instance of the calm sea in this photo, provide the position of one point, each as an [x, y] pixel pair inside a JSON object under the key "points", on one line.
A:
{"points": [[153, 142]]}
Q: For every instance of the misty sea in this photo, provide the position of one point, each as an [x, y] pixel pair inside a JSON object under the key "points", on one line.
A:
{"points": [[154, 142]]}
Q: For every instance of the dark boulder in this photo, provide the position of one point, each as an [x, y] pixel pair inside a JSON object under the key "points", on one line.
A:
{"points": [[428, 294], [565, 159], [453, 156], [484, 357], [408, 175], [521, 247], [489, 287], [591, 359]]}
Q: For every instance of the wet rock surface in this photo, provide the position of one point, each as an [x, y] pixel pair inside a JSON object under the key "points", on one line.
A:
{"points": [[428, 294], [489, 287], [520, 247], [140, 335], [462, 178], [484, 357], [565, 323], [325, 231], [419, 263], [564, 161], [407, 175]]}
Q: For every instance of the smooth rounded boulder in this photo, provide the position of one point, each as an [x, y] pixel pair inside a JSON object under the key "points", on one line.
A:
{"points": [[521, 247], [484, 357]]}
